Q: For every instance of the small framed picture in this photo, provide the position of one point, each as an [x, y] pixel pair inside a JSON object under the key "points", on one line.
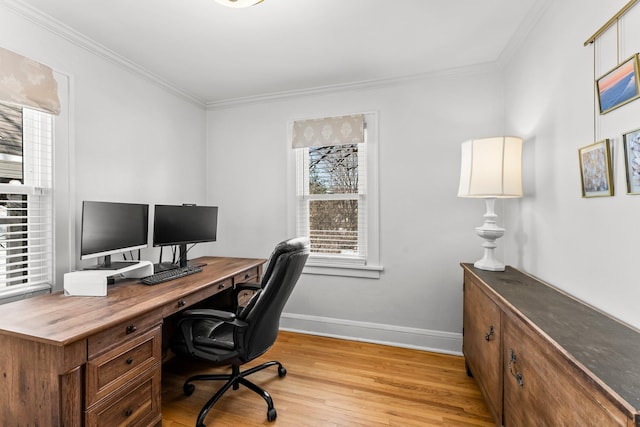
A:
{"points": [[595, 170], [631, 142], [619, 86]]}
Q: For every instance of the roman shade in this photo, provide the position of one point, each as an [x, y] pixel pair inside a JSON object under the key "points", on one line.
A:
{"points": [[27, 83], [328, 131]]}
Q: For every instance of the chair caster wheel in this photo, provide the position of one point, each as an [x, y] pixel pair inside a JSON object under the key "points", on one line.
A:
{"points": [[188, 390], [282, 371], [271, 414]]}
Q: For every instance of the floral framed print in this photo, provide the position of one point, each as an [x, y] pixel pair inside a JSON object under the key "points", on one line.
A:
{"points": [[595, 170], [619, 86], [631, 141]]}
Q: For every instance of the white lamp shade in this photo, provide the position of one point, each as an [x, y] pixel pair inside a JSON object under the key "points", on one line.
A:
{"points": [[491, 167], [239, 3]]}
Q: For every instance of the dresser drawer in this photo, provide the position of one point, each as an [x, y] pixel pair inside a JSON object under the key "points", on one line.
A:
{"points": [[124, 331], [248, 276], [481, 345], [111, 370], [137, 405], [195, 297], [542, 389]]}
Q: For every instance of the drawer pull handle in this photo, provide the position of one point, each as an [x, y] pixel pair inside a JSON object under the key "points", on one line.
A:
{"points": [[488, 335], [516, 375], [246, 276], [129, 361], [128, 412], [221, 286], [182, 303], [131, 329]]}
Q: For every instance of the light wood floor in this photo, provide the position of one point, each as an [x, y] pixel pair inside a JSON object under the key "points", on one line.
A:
{"points": [[335, 383]]}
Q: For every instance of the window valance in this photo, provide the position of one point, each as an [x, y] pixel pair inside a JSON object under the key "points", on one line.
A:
{"points": [[328, 131], [27, 83]]}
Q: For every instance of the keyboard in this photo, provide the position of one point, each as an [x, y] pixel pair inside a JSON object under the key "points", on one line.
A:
{"points": [[165, 276]]}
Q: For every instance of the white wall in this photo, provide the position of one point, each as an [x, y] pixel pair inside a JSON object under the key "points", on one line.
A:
{"points": [[426, 231], [130, 139], [587, 247]]}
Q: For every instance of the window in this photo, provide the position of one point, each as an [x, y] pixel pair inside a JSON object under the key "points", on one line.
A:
{"points": [[26, 208], [336, 195]]}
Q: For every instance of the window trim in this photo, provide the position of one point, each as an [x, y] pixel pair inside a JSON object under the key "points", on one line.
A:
{"points": [[325, 265], [63, 258]]}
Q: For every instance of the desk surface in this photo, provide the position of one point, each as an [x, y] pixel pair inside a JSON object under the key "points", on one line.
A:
{"points": [[57, 319]]}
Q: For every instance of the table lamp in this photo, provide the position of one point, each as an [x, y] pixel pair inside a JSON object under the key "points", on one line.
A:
{"points": [[490, 169]]}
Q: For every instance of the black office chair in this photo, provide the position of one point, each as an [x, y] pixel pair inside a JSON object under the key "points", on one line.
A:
{"points": [[227, 338], [242, 292]]}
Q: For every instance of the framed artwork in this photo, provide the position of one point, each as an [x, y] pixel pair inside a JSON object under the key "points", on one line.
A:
{"points": [[619, 86], [631, 142], [595, 170]]}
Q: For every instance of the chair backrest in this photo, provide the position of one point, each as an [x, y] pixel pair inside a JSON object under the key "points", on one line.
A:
{"points": [[280, 248], [263, 311]]}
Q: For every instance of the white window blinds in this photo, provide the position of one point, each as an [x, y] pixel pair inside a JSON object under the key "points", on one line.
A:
{"points": [[26, 202]]}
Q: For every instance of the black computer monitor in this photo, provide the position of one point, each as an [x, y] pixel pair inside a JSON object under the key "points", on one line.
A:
{"points": [[180, 225], [110, 228]]}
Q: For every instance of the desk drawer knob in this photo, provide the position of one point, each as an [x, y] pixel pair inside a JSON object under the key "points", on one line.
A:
{"points": [[129, 361], [221, 286], [182, 303], [128, 412], [131, 329]]}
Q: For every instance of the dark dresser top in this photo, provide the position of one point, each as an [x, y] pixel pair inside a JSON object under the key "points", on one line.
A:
{"points": [[605, 346]]}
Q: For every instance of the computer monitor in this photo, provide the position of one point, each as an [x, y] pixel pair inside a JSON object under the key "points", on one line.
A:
{"points": [[180, 225], [110, 228]]}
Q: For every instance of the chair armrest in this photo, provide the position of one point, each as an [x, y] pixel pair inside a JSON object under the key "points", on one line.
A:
{"points": [[250, 286], [209, 313], [189, 317]]}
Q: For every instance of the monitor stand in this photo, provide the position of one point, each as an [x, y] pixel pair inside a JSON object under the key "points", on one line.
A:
{"points": [[183, 255], [164, 266], [108, 265]]}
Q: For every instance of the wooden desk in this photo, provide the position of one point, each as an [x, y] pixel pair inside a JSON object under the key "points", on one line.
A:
{"points": [[96, 361]]}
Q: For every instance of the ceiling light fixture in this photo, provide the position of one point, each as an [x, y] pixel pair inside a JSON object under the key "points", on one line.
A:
{"points": [[239, 3]]}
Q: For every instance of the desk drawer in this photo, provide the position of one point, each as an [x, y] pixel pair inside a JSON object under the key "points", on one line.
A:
{"points": [[111, 370], [137, 405], [122, 332], [195, 297], [249, 276]]}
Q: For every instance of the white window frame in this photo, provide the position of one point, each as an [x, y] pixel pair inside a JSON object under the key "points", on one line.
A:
{"points": [[368, 266], [37, 209], [63, 213]]}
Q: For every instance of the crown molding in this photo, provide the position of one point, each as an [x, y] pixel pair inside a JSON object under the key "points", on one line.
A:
{"points": [[56, 27], [534, 16], [341, 87]]}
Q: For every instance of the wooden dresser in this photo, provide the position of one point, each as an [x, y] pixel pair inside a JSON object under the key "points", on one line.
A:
{"points": [[543, 358], [96, 361]]}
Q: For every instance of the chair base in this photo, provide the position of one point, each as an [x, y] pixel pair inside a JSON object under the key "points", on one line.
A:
{"points": [[234, 379]]}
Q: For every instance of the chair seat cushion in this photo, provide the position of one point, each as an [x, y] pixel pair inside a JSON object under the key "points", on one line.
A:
{"points": [[209, 333]]}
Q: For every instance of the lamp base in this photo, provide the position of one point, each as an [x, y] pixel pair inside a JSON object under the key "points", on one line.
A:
{"points": [[489, 265], [489, 231]]}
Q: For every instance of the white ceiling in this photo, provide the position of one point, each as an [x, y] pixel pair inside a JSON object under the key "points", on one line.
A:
{"points": [[216, 54]]}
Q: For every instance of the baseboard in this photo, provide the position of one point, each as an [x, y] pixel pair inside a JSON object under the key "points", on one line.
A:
{"points": [[398, 336]]}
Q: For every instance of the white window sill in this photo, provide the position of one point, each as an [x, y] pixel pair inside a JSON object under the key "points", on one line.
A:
{"points": [[346, 270], [11, 293]]}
